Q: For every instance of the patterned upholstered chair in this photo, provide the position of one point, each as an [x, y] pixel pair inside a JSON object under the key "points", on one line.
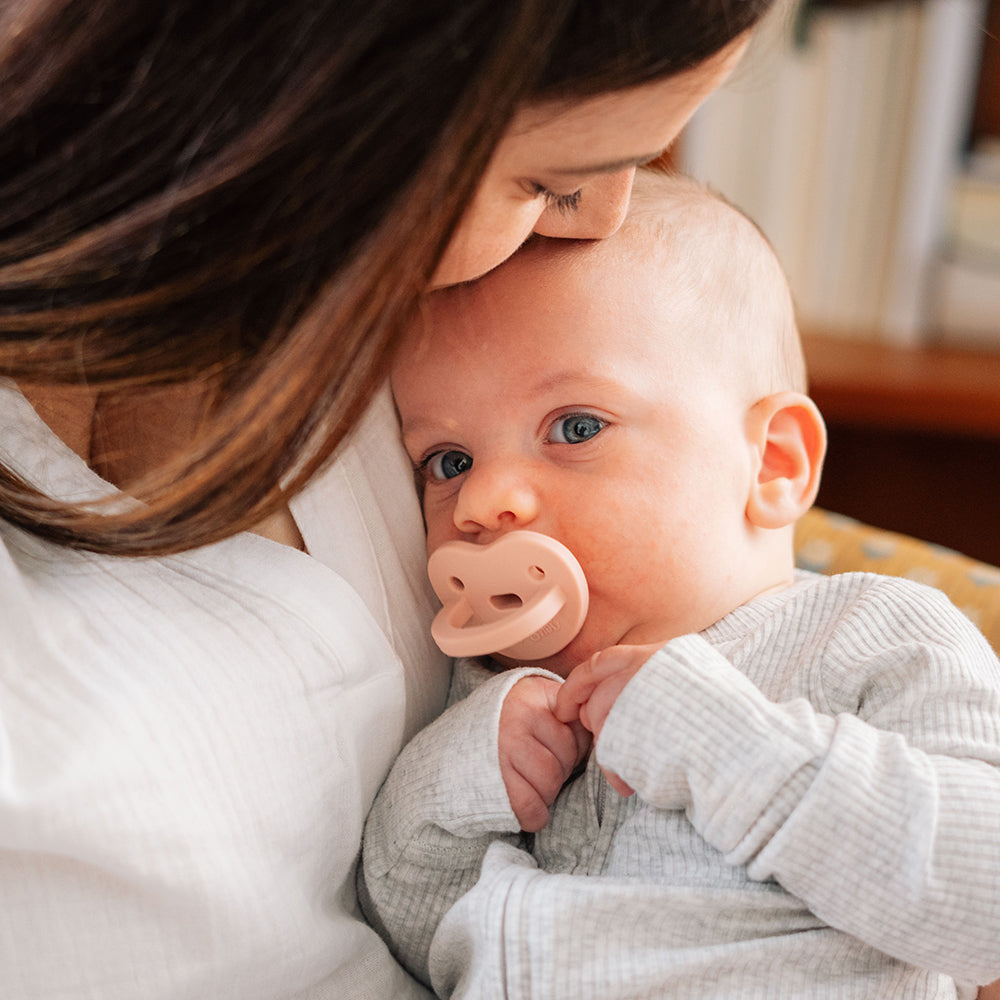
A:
{"points": [[830, 543]]}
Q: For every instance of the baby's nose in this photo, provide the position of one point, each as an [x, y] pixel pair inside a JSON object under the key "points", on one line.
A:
{"points": [[495, 499]]}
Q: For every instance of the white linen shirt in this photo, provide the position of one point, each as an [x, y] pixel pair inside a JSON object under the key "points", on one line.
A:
{"points": [[189, 745]]}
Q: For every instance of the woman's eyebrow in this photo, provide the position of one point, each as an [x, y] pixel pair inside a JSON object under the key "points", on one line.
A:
{"points": [[611, 167]]}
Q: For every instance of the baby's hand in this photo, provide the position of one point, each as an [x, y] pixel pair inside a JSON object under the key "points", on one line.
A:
{"points": [[538, 753], [593, 687]]}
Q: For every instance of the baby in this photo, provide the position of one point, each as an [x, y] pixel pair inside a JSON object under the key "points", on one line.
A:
{"points": [[815, 760]]}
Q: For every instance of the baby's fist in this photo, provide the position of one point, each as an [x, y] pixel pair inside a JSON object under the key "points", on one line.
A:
{"points": [[538, 753], [592, 688]]}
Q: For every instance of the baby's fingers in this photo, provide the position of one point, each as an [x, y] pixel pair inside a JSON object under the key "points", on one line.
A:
{"points": [[592, 687], [568, 743], [537, 752], [529, 808], [623, 788], [577, 689], [582, 739], [533, 774]]}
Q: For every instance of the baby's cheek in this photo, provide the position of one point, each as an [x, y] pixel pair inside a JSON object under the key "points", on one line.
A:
{"points": [[439, 525]]}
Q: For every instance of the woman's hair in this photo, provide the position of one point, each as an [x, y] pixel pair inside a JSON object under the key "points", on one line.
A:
{"points": [[256, 193]]}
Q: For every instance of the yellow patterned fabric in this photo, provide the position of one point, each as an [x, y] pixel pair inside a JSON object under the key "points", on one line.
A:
{"points": [[831, 543]]}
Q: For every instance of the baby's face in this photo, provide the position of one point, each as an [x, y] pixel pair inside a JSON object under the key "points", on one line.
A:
{"points": [[552, 396]]}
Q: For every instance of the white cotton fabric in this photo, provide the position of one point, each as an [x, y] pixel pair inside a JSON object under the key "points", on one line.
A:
{"points": [[817, 815], [189, 745]]}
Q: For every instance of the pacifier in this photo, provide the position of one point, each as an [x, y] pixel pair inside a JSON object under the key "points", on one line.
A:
{"points": [[523, 595]]}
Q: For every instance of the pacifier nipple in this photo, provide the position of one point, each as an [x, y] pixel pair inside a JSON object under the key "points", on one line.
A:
{"points": [[523, 595]]}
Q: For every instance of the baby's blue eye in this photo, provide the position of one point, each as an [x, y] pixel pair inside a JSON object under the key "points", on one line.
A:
{"points": [[448, 464], [577, 428]]}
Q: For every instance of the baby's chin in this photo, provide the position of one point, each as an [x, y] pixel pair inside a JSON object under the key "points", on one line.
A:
{"points": [[558, 663], [581, 649], [593, 640]]}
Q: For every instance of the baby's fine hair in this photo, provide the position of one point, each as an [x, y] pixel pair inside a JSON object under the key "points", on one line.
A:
{"points": [[721, 258]]}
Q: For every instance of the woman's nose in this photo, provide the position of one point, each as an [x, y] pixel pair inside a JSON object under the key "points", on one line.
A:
{"points": [[494, 499], [602, 208]]}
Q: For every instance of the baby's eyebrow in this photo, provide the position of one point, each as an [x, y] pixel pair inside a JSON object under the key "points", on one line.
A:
{"points": [[419, 434], [410, 426], [575, 378]]}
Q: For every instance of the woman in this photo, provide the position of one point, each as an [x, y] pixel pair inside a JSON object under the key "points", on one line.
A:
{"points": [[215, 220]]}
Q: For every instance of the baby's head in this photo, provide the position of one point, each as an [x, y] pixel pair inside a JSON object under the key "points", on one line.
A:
{"points": [[640, 399]]}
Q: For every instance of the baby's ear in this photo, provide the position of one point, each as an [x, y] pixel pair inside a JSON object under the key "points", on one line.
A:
{"points": [[789, 437]]}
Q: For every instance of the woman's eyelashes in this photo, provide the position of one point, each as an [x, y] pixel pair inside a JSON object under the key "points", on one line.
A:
{"points": [[560, 202], [576, 428]]}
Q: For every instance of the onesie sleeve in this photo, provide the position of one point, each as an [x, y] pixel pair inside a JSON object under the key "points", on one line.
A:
{"points": [[884, 821], [442, 805]]}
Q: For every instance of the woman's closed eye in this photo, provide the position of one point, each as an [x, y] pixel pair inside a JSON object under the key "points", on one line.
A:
{"points": [[576, 428], [444, 465], [560, 202]]}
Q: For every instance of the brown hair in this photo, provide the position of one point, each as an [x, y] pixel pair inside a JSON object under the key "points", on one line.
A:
{"points": [[259, 192]]}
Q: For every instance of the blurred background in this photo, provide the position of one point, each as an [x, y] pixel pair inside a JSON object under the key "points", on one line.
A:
{"points": [[864, 138]]}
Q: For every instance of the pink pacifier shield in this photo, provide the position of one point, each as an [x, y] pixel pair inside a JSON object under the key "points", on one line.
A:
{"points": [[523, 595]]}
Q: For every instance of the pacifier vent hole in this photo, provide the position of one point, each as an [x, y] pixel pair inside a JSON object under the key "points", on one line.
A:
{"points": [[457, 584], [536, 572], [504, 602]]}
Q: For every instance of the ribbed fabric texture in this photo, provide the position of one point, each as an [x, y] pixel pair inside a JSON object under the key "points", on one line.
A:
{"points": [[817, 815], [189, 744]]}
